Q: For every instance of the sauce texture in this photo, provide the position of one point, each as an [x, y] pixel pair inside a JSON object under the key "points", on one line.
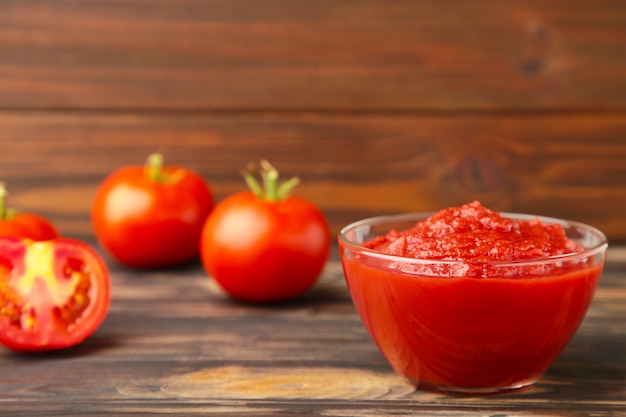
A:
{"points": [[472, 232], [479, 239]]}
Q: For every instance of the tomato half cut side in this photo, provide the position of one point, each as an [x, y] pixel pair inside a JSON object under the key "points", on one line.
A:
{"points": [[53, 294]]}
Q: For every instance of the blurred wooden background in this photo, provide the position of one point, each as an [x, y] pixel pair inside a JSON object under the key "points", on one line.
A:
{"points": [[379, 106]]}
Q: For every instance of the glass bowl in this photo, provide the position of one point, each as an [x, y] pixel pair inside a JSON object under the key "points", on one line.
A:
{"points": [[447, 328]]}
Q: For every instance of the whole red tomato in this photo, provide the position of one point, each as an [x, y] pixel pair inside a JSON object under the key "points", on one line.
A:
{"points": [[53, 294], [23, 225], [263, 245], [151, 216]]}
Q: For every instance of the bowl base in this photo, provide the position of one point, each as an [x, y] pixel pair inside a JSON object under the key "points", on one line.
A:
{"points": [[470, 391]]}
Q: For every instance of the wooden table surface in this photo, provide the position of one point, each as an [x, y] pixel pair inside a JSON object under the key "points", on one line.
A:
{"points": [[172, 344]]}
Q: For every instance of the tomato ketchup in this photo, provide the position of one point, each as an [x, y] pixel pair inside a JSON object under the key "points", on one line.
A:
{"points": [[472, 300]]}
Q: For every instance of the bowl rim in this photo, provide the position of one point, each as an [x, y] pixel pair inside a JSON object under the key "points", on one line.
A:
{"points": [[598, 248]]}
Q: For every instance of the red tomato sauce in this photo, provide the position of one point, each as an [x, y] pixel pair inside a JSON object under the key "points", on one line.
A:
{"points": [[496, 332], [473, 326], [473, 233]]}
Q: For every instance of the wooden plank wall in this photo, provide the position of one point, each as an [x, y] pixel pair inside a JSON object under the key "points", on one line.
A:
{"points": [[379, 106]]}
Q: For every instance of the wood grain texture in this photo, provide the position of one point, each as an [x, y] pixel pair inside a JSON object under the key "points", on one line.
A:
{"points": [[173, 344], [353, 166], [313, 55]]}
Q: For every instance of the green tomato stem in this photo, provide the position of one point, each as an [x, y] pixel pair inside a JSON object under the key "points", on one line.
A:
{"points": [[253, 184], [270, 180], [285, 188], [6, 213], [154, 167], [269, 189], [3, 200]]}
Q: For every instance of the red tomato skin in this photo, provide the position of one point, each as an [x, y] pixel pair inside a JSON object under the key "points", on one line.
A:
{"points": [[10, 229], [30, 226], [38, 227], [148, 224], [265, 251], [55, 326]]}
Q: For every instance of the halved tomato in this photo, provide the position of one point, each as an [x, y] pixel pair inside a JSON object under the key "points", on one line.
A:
{"points": [[53, 294]]}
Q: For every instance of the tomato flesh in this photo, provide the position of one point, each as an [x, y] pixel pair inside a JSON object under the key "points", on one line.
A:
{"points": [[53, 294]]}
